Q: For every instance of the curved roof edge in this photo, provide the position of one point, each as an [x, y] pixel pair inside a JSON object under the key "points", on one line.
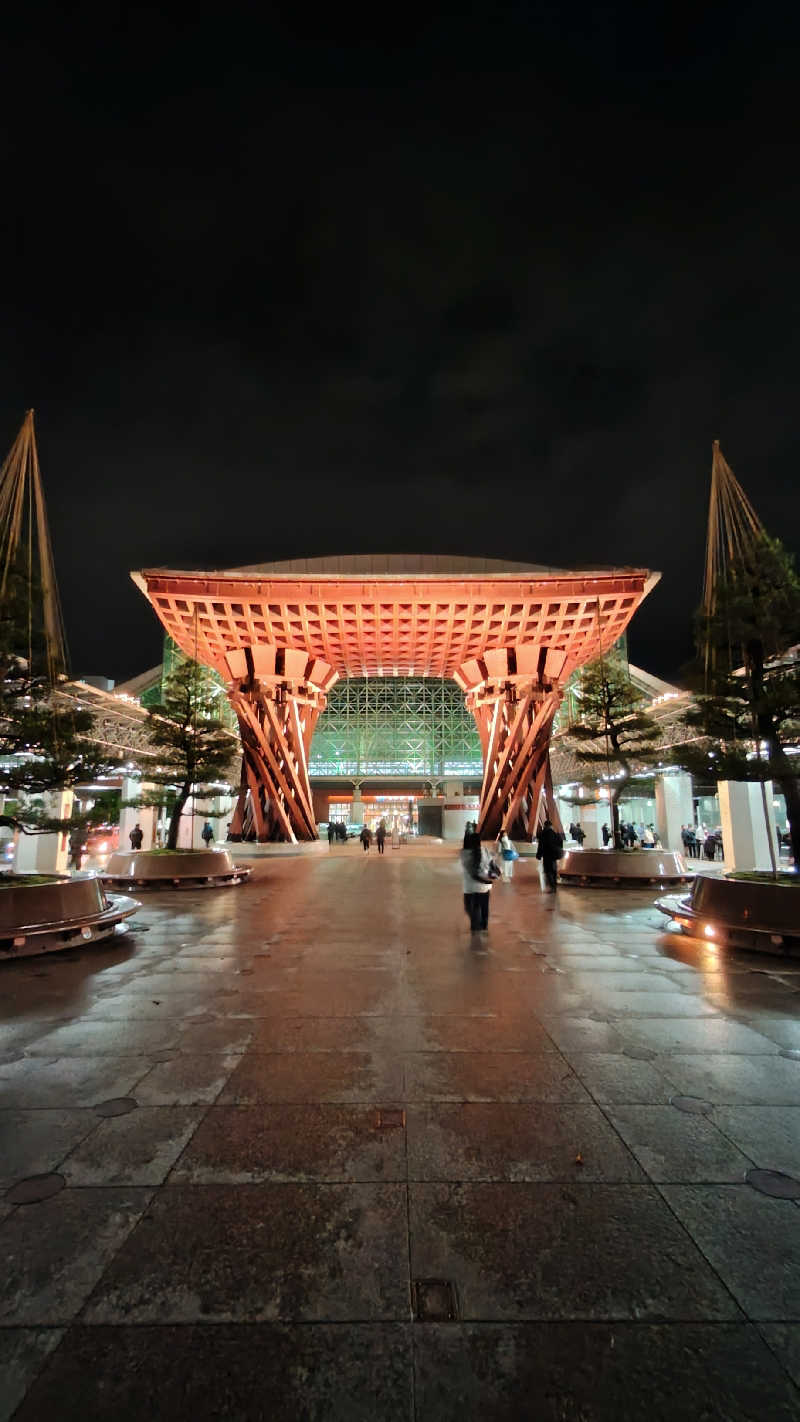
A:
{"points": [[377, 564]]}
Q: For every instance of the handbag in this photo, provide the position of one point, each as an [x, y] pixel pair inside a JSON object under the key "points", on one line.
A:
{"points": [[510, 854]]}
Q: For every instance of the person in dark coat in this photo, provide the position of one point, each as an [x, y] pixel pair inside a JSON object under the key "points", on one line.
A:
{"points": [[331, 832], [606, 833], [77, 845], [136, 836], [579, 835], [380, 836], [207, 833], [550, 846], [366, 838]]}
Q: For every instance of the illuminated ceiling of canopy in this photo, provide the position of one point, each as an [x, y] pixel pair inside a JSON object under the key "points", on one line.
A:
{"points": [[394, 615]]}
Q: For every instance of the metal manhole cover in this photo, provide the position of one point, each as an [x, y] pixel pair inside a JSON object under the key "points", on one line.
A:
{"points": [[35, 1188], [434, 1300], [693, 1105], [389, 1119], [639, 1054], [117, 1106], [774, 1183]]}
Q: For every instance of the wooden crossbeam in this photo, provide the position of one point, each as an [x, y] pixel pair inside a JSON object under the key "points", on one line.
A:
{"points": [[276, 720], [515, 717]]}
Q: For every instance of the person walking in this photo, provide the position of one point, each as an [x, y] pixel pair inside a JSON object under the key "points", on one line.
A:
{"points": [[579, 835], [331, 832], [606, 833], [208, 834], [366, 838], [380, 836], [478, 872], [136, 836], [507, 854], [550, 847], [77, 846]]}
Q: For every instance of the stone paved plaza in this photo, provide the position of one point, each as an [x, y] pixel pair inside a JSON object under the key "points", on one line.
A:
{"points": [[351, 1118]]}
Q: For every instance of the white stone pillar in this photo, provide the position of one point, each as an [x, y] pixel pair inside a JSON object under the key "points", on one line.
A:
{"points": [[215, 809], [744, 829], [591, 819], [357, 807], [131, 789], [674, 808], [186, 825], [47, 853]]}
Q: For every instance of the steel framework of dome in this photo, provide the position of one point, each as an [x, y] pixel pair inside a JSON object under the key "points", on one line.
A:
{"points": [[281, 635]]}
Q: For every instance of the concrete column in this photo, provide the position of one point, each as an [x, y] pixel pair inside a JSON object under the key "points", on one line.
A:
{"points": [[357, 807], [451, 789], [591, 819], [217, 810], [187, 824], [47, 853], [674, 808], [744, 830], [131, 788]]}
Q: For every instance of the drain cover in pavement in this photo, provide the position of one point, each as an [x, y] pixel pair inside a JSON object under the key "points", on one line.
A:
{"points": [[639, 1054], [36, 1187], [434, 1300], [775, 1183], [694, 1105], [117, 1106], [392, 1118]]}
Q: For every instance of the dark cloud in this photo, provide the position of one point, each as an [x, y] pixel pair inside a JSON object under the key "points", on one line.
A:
{"points": [[492, 284]]}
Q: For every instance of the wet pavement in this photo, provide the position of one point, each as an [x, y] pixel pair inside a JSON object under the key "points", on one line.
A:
{"points": [[320, 1153]]}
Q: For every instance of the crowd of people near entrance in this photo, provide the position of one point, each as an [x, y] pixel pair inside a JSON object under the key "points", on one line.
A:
{"points": [[337, 834], [702, 843]]}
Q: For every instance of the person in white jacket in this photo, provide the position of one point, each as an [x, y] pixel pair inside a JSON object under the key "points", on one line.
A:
{"points": [[505, 849], [478, 870]]}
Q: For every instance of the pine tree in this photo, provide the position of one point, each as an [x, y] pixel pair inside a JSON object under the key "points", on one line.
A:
{"points": [[746, 717], [614, 731], [195, 748], [45, 741]]}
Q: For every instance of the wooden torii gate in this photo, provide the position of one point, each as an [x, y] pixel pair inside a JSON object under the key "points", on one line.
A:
{"points": [[510, 635]]}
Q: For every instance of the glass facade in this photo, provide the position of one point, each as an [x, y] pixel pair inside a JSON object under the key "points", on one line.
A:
{"points": [[396, 726]]}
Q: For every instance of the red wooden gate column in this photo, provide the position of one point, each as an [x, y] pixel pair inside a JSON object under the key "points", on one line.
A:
{"points": [[277, 695], [513, 693]]}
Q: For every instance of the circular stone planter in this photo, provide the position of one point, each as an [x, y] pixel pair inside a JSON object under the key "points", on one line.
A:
{"points": [[743, 913], [173, 869], [54, 911], [616, 868]]}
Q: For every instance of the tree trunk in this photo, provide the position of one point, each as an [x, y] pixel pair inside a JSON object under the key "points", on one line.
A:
{"points": [[175, 817], [615, 818], [615, 797]]}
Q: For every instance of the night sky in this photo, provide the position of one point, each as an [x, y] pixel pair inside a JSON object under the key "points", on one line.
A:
{"points": [[488, 281]]}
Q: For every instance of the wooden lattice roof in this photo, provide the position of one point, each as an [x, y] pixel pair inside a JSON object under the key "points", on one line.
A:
{"points": [[418, 623]]}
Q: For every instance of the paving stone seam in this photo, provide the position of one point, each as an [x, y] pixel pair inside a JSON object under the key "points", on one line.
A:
{"points": [[760, 1327]]}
